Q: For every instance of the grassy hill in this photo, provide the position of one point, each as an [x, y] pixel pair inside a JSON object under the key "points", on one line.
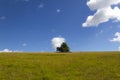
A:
{"points": [[60, 66]]}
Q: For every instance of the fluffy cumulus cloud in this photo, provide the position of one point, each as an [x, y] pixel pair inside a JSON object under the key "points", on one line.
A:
{"points": [[104, 12], [117, 39], [6, 50], [57, 41]]}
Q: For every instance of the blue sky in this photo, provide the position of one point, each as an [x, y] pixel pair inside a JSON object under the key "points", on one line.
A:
{"points": [[30, 25]]}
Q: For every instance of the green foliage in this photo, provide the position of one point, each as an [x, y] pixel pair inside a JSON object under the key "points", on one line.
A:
{"points": [[63, 48], [53, 66]]}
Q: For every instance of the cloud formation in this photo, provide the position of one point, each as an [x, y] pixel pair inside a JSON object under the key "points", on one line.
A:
{"points": [[104, 12], [6, 50], [117, 39], [57, 41]]}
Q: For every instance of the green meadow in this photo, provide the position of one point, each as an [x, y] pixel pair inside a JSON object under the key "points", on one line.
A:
{"points": [[60, 66]]}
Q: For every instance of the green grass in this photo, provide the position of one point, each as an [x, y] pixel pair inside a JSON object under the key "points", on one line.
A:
{"points": [[55, 66]]}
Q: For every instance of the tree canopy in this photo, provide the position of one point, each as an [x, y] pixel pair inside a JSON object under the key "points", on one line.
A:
{"points": [[63, 48]]}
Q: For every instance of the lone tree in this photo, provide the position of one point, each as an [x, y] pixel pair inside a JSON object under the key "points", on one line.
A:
{"points": [[63, 48]]}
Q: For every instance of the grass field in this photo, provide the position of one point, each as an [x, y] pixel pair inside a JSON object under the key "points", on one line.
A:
{"points": [[55, 66]]}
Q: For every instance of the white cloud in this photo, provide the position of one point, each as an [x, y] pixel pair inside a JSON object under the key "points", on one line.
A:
{"points": [[8, 50], [117, 39], [104, 12], [57, 41]]}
